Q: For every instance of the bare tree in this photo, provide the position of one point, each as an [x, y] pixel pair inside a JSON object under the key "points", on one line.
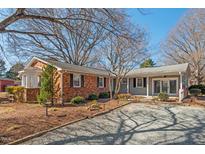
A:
{"points": [[69, 35], [2, 67], [107, 18], [71, 46], [186, 43], [123, 54]]}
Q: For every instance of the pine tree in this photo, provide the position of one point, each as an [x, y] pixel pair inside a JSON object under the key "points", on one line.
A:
{"points": [[2, 67], [13, 71], [148, 63], [47, 85]]}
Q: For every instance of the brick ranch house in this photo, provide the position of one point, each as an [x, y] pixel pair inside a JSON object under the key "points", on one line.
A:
{"points": [[72, 80]]}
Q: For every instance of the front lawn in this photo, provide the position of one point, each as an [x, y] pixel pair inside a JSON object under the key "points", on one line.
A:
{"points": [[18, 120]]}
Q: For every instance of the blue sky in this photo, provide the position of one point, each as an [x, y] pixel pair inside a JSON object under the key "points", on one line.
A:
{"points": [[158, 23]]}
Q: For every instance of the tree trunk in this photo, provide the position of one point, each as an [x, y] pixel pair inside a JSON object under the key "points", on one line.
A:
{"points": [[46, 110], [110, 87], [117, 87]]}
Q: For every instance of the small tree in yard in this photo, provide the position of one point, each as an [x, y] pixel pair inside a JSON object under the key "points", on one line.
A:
{"points": [[47, 85]]}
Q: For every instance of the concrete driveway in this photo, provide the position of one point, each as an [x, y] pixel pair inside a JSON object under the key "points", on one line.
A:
{"points": [[134, 124]]}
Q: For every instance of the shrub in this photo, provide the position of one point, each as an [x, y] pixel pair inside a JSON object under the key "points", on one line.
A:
{"points": [[195, 91], [92, 97], [203, 91], [123, 96], [17, 91], [163, 96], [104, 95], [78, 100], [94, 106], [200, 86]]}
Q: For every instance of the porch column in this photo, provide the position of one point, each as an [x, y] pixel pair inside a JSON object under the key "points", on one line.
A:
{"points": [[128, 85], [180, 80], [27, 81], [147, 86], [181, 92]]}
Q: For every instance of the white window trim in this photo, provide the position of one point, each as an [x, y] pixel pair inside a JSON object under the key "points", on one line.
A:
{"points": [[137, 82], [166, 79], [102, 82], [24, 82], [79, 81]]}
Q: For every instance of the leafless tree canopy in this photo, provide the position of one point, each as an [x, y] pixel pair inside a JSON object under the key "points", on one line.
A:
{"points": [[120, 55], [186, 43], [69, 35]]}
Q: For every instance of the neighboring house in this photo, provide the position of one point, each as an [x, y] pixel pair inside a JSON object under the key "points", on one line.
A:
{"points": [[4, 82], [72, 80]]}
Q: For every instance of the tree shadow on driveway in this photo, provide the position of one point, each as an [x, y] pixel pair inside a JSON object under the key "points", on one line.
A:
{"points": [[163, 125]]}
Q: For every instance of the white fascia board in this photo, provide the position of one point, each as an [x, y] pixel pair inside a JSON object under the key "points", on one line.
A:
{"points": [[36, 58]]}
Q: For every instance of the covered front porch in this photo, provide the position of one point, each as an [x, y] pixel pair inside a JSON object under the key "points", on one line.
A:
{"points": [[30, 77], [175, 85], [31, 80]]}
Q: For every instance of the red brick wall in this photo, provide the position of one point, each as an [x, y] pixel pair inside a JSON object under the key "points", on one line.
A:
{"points": [[30, 94], [90, 86]]}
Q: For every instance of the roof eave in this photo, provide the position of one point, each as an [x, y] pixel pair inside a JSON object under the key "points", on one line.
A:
{"points": [[44, 61]]}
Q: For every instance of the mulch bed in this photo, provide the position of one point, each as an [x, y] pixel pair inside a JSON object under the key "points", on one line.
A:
{"points": [[18, 120], [199, 102], [194, 101]]}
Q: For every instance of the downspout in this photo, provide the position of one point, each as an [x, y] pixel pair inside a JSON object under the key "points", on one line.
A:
{"points": [[181, 91], [61, 85]]}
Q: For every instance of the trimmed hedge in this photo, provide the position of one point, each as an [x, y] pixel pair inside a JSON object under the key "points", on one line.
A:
{"points": [[78, 100], [200, 86], [195, 91], [92, 97], [104, 95]]}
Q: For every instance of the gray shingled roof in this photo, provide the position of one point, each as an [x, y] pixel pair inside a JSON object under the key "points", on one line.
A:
{"points": [[76, 68], [161, 70]]}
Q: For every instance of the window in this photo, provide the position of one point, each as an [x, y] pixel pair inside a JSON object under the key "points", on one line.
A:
{"points": [[124, 81], [139, 82], [168, 86], [157, 86], [173, 86], [101, 82], [76, 80]]}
